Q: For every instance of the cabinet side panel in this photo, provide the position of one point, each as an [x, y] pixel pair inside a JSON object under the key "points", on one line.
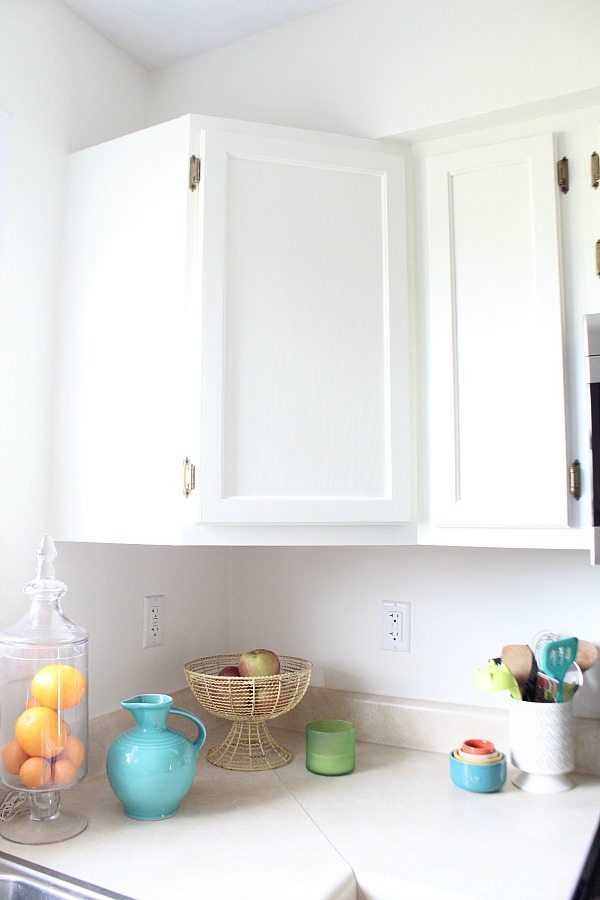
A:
{"points": [[119, 453]]}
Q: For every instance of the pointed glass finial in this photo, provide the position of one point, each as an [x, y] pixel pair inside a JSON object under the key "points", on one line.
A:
{"points": [[45, 583], [46, 554]]}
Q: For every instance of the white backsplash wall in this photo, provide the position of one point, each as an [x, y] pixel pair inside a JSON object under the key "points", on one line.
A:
{"points": [[325, 605], [107, 583]]}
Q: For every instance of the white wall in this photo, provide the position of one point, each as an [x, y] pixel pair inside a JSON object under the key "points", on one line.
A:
{"points": [[107, 584], [325, 605], [381, 67], [66, 87], [63, 87]]}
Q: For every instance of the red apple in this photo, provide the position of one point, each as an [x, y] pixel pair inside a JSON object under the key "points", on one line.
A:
{"points": [[230, 671], [258, 663]]}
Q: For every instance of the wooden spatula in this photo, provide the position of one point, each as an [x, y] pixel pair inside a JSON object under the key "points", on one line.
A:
{"points": [[519, 659], [587, 654]]}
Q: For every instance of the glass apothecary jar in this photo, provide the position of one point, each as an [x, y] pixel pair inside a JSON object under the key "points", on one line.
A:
{"points": [[43, 709]]}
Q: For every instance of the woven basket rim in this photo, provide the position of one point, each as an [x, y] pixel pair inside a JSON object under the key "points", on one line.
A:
{"points": [[247, 699], [303, 666]]}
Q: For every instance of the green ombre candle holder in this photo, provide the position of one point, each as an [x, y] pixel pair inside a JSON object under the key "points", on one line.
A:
{"points": [[330, 747]]}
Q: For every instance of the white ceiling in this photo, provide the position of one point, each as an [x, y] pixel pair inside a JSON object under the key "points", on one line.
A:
{"points": [[159, 32]]}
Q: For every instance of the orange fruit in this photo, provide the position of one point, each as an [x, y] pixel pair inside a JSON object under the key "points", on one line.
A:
{"points": [[59, 686], [35, 772], [63, 771], [13, 757], [40, 732], [74, 751]]}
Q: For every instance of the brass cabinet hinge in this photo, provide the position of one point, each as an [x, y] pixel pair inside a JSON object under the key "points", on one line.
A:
{"points": [[562, 169], [195, 172], [595, 169], [575, 479], [189, 477]]}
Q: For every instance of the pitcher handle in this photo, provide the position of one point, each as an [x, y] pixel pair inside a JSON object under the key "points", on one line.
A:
{"points": [[201, 729]]}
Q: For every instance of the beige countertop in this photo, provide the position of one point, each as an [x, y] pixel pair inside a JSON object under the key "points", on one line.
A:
{"points": [[396, 828]]}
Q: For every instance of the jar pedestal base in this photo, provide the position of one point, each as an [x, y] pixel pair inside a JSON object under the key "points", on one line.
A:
{"points": [[541, 784], [43, 823]]}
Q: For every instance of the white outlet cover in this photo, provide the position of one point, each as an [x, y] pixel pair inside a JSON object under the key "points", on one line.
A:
{"points": [[153, 621], [395, 626]]}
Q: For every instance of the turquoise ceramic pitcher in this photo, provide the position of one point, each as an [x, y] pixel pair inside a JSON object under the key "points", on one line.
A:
{"points": [[151, 767]]}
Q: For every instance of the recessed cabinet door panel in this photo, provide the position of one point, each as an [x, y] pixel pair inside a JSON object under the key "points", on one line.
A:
{"points": [[304, 410], [495, 368]]}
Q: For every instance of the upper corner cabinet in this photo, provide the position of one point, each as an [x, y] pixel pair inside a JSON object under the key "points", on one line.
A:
{"points": [[496, 400], [252, 320]]}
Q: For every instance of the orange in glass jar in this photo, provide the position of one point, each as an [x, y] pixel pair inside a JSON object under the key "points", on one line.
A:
{"points": [[59, 686], [74, 751], [63, 771], [40, 732], [13, 757], [35, 772]]}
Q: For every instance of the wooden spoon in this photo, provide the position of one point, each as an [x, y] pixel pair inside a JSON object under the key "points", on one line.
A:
{"points": [[587, 654], [519, 659]]}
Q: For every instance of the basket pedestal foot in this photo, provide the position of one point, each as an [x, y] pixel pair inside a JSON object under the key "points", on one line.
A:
{"points": [[249, 747]]}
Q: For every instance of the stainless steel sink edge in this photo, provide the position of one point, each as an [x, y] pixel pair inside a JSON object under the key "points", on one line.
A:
{"points": [[25, 880]]}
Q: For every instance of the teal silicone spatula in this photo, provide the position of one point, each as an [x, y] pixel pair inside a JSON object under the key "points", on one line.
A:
{"points": [[557, 656]]}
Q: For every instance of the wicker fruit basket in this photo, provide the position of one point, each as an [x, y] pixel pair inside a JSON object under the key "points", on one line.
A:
{"points": [[249, 703]]}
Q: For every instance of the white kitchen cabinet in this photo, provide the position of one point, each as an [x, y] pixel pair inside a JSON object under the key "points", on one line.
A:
{"points": [[495, 445], [257, 325]]}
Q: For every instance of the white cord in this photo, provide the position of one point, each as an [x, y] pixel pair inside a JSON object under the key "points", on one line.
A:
{"points": [[13, 803]]}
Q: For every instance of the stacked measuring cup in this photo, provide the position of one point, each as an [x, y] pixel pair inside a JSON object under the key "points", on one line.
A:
{"points": [[477, 766]]}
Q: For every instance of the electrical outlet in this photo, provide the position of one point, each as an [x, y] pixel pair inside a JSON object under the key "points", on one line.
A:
{"points": [[153, 621], [395, 626]]}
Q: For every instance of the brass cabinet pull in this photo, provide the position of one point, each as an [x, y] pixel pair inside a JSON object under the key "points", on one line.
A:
{"points": [[189, 477], [575, 479], [595, 169], [562, 169], [195, 172]]}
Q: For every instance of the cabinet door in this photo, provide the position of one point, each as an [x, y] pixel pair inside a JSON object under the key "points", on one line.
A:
{"points": [[119, 448], [304, 410], [496, 417]]}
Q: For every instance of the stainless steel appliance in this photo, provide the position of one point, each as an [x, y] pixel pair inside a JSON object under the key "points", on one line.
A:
{"points": [[592, 352]]}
